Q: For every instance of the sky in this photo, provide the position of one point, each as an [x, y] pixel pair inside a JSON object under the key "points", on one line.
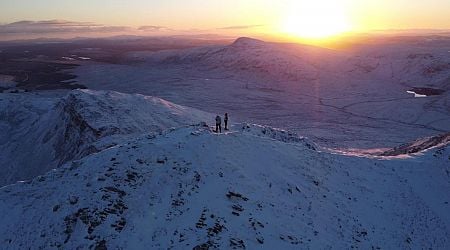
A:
{"points": [[318, 18]]}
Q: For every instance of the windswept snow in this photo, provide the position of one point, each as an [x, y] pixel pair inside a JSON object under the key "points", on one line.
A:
{"points": [[39, 133], [252, 187]]}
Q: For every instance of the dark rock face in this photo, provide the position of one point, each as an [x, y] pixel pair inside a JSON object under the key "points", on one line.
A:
{"points": [[427, 91], [418, 146]]}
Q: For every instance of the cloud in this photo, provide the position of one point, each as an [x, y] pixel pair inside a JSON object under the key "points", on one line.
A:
{"points": [[57, 26], [152, 28], [241, 27], [23, 30]]}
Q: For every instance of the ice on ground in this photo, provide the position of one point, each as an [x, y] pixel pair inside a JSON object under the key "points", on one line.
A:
{"points": [[415, 94]]}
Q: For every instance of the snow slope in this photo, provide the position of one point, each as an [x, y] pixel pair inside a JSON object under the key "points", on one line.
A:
{"points": [[249, 188], [410, 64], [340, 98], [254, 58], [40, 132]]}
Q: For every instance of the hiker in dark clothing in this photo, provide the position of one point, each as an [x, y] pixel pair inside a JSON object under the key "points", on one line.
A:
{"points": [[225, 120], [218, 124]]}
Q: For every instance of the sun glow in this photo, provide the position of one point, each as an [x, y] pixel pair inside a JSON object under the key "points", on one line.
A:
{"points": [[315, 19]]}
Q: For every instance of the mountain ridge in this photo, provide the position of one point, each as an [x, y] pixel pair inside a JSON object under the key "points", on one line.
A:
{"points": [[251, 187], [53, 131]]}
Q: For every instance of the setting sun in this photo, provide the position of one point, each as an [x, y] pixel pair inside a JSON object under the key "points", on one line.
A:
{"points": [[315, 19], [224, 124]]}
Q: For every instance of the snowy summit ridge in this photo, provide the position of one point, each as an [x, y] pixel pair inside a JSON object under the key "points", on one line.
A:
{"points": [[188, 187], [247, 42], [56, 130]]}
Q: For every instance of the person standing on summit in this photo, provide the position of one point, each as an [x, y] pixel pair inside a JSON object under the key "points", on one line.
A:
{"points": [[225, 121], [218, 124]]}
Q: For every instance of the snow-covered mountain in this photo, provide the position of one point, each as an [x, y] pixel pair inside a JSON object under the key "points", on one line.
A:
{"points": [[107, 170], [110, 170], [354, 97], [40, 132], [252, 187], [411, 64], [410, 67], [254, 58]]}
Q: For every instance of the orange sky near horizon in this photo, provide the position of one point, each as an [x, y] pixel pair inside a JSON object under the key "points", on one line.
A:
{"points": [[301, 18]]}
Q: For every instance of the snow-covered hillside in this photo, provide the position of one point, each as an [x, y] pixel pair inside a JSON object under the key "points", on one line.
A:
{"points": [[417, 64], [96, 169], [355, 97], [254, 58], [40, 132], [424, 63], [249, 188]]}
